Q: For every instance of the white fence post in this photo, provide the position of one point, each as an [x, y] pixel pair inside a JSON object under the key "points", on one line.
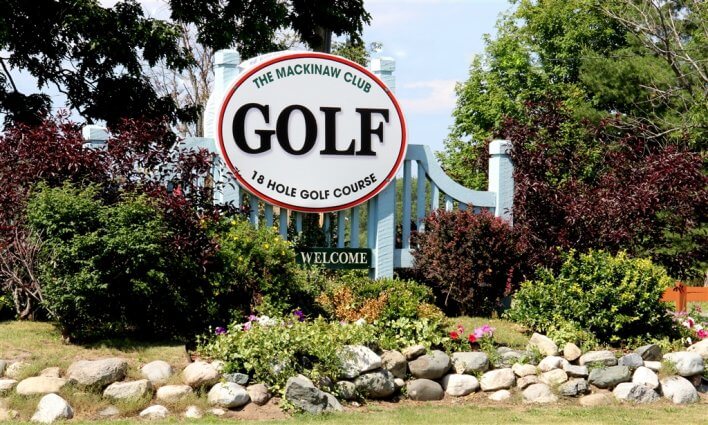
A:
{"points": [[501, 178], [385, 232]]}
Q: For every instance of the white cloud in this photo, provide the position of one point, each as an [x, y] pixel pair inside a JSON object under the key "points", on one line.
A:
{"points": [[438, 96]]}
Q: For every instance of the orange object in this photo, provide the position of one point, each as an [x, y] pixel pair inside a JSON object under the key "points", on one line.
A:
{"points": [[681, 294]]}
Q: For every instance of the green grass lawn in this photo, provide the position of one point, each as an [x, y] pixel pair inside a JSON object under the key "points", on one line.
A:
{"points": [[40, 345], [506, 333], [433, 414]]}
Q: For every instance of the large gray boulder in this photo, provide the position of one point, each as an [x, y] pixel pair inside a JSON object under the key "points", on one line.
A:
{"points": [[52, 408], [377, 385], [571, 352], [576, 371], [649, 352], [259, 394], [40, 385], [6, 386], [552, 362], [508, 358], [236, 378], [333, 404], [459, 385], [538, 393], [193, 412], [701, 347], [631, 360], [395, 362], [498, 379], [433, 365], [156, 411], [635, 393], [679, 390], [228, 395], [200, 374], [303, 395], [470, 362], [97, 373], [686, 363], [522, 370], [173, 393], [413, 352], [527, 380], [598, 359], [357, 359], [543, 344], [346, 390], [424, 390], [554, 377], [645, 376], [609, 377], [129, 390], [501, 395], [573, 387], [14, 370], [158, 372], [597, 399]]}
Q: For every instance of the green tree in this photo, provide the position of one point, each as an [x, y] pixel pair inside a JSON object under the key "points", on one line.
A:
{"points": [[600, 58], [95, 55]]}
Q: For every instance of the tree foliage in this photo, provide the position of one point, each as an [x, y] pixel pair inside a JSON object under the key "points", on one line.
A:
{"points": [[94, 55], [587, 186], [643, 59]]}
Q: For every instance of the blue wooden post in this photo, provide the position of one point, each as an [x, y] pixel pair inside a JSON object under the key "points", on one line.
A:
{"points": [[407, 206], [501, 178], [283, 227], [420, 198], [268, 215], [253, 213], [354, 229], [385, 232], [341, 228]]}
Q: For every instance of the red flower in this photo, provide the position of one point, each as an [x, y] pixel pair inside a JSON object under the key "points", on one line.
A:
{"points": [[454, 335], [472, 338]]}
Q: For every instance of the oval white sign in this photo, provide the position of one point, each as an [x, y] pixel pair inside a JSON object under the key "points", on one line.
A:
{"points": [[311, 132]]}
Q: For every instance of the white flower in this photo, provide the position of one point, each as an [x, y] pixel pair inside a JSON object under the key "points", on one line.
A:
{"points": [[267, 321], [360, 322]]}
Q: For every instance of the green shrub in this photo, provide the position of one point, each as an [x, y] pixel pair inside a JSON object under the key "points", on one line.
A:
{"points": [[403, 311], [257, 271], [109, 270], [472, 260], [614, 298], [273, 350], [352, 296]]}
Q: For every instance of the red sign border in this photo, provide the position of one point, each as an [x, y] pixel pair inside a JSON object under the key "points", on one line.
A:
{"points": [[232, 89]]}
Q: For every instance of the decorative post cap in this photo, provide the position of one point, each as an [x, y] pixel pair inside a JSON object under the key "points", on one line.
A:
{"points": [[500, 147]]}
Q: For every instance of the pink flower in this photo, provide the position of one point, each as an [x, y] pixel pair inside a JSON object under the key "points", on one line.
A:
{"points": [[702, 334], [247, 326]]}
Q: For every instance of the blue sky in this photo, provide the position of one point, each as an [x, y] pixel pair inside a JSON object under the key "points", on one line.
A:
{"points": [[432, 41]]}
